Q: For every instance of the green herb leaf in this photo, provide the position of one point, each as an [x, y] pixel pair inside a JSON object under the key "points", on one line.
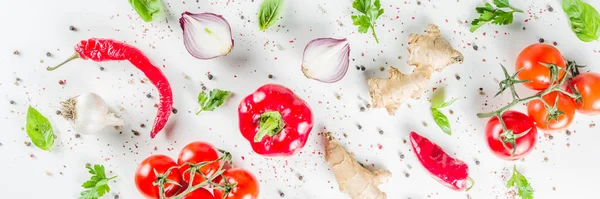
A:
{"points": [[523, 187], [446, 104], [97, 185], [213, 100], [441, 120], [39, 129], [269, 13], [501, 3], [147, 9], [494, 15], [370, 12], [585, 20]]}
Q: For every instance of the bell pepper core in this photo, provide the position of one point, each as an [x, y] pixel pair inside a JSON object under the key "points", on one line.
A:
{"points": [[271, 124]]}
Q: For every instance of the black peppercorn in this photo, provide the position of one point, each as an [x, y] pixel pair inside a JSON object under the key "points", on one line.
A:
{"points": [[12, 102], [148, 95], [270, 76], [174, 111], [210, 76], [541, 40], [48, 54], [72, 28]]}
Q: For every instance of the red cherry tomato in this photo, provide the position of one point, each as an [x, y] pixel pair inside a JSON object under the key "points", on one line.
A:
{"points": [[246, 188], [537, 110], [145, 176], [539, 75], [195, 153], [588, 85], [200, 193], [520, 124]]}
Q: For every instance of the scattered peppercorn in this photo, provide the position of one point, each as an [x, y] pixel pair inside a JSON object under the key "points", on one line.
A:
{"points": [[270, 76], [357, 67], [142, 125], [48, 54], [77, 135], [281, 194], [12, 102], [363, 68], [135, 133], [550, 8], [174, 111], [550, 137], [61, 82], [148, 95], [477, 162], [203, 88], [362, 109], [72, 28], [101, 68], [475, 47], [18, 79], [58, 112], [300, 177], [407, 175], [359, 127], [457, 77], [555, 43], [568, 132], [16, 52], [380, 132], [401, 156], [381, 68], [116, 196], [27, 143], [541, 40], [210, 76], [368, 105]]}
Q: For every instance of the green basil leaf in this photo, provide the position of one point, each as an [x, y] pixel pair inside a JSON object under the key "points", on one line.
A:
{"points": [[213, 100], [147, 9], [501, 3], [446, 104], [39, 129], [441, 120], [585, 20], [269, 13]]}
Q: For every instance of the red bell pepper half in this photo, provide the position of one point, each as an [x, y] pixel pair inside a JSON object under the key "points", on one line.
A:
{"points": [[449, 171], [275, 121]]}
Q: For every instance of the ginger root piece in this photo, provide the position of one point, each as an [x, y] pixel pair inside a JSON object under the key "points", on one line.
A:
{"points": [[352, 178], [428, 53]]}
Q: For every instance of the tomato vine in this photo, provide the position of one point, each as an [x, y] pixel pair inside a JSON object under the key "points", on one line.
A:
{"points": [[508, 136]]}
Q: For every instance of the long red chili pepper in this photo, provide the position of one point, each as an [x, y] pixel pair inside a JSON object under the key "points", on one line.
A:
{"points": [[275, 121], [449, 171], [109, 50]]}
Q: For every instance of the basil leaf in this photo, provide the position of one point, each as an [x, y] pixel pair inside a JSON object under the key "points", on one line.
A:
{"points": [[147, 9], [446, 104], [501, 3], [441, 120], [213, 100], [269, 13], [39, 129], [585, 20]]}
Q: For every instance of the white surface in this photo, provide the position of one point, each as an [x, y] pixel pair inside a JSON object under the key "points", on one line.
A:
{"points": [[38, 26]]}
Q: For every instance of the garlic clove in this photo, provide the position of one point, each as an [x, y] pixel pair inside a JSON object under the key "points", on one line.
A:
{"points": [[326, 59], [89, 113]]}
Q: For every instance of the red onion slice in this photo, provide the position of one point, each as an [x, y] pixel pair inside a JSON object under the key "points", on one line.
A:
{"points": [[326, 59], [206, 35]]}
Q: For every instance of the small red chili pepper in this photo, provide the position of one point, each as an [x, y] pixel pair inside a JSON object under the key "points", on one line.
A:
{"points": [[275, 121], [109, 50], [449, 171]]}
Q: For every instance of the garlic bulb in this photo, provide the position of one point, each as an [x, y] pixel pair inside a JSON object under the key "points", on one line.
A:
{"points": [[89, 114]]}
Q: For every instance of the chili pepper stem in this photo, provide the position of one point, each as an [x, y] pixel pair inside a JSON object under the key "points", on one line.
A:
{"points": [[469, 179], [74, 56], [271, 123]]}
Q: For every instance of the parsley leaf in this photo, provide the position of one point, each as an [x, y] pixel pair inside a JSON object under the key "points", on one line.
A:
{"points": [[370, 12], [584, 19], [39, 129], [522, 185], [489, 14], [97, 185], [269, 13], [213, 100]]}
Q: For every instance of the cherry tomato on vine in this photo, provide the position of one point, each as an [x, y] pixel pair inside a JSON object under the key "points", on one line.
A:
{"points": [[539, 75], [145, 176], [195, 153], [588, 85], [521, 125], [200, 193], [544, 120], [246, 184]]}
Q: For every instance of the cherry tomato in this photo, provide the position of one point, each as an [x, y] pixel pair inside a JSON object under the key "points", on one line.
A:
{"points": [[539, 75], [588, 85], [537, 110], [194, 153], [520, 124], [200, 193], [246, 188], [145, 176]]}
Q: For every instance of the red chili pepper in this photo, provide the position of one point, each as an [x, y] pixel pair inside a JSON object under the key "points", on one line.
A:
{"points": [[275, 121], [449, 171], [108, 50]]}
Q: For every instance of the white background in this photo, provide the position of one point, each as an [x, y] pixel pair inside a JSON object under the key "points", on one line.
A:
{"points": [[35, 27]]}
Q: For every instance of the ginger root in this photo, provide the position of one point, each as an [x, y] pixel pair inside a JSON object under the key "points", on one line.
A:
{"points": [[428, 53], [353, 179]]}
